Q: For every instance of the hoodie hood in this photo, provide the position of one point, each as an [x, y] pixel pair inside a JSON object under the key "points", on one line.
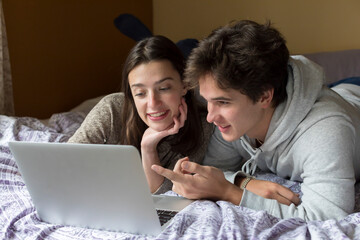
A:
{"points": [[305, 81]]}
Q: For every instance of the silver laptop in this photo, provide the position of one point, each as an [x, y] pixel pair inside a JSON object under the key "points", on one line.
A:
{"points": [[93, 186]]}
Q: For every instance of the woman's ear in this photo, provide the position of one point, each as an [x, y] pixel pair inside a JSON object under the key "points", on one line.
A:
{"points": [[184, 91], [266, 98]]}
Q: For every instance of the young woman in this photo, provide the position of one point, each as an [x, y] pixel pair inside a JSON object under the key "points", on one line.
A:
{"points": [[154, 112]]}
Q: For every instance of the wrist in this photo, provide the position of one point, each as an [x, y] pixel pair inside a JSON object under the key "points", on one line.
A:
{"points": [[148, 145], [245, 181], [148, 149], [242, 181], [233, 194]]}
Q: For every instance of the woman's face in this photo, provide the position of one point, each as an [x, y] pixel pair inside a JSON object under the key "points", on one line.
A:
{"points": [[157, 90]]}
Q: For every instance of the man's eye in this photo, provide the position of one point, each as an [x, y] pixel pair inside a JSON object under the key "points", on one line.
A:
{"points": [[223, 103]]}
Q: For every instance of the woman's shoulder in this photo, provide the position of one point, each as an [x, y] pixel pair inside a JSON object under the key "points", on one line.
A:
{"points": [[113, 98], [102, 123], [109, 107], [113, 102]]}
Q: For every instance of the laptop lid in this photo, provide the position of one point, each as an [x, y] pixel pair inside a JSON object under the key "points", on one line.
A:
{"points": [[88, 185]]}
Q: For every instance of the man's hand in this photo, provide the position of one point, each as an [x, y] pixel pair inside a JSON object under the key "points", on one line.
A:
{"points": [[271, 190], [194, 181]]}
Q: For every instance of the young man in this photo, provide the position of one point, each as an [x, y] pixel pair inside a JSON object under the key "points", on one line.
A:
{"points": [[273, 113]]}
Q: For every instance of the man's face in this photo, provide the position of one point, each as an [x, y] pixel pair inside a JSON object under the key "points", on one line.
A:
{"points": [[234, 113]]}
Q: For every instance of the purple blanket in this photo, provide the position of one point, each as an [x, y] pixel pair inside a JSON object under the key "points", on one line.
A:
{"points": [[201, 220]]}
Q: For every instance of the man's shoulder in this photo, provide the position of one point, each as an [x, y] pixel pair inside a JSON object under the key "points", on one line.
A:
{"points": [[331, 104]]}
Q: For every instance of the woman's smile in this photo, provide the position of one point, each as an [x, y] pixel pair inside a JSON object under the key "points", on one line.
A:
{"points": [[158, 116]]}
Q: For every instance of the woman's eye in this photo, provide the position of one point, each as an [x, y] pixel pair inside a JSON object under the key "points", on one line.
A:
{"points": [[164, 88], [139, 94]]}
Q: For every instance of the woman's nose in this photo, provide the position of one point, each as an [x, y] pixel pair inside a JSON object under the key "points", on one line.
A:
{"points": [[153, 100]]}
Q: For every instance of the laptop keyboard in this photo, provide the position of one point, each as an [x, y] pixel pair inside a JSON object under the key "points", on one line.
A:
{"points": [[165, 215]]}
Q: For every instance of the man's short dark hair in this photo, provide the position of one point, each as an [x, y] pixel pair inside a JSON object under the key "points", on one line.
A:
{"points": [[245, 56]]}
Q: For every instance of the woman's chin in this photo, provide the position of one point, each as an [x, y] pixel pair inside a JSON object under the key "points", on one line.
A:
{"points": [[161, 127]]}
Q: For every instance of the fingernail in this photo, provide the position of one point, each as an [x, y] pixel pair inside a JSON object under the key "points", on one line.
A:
{"points": [[154, 167], [185, 165]]}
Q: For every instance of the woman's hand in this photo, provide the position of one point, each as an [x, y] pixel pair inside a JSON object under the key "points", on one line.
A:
{"points": [[271, 190], [151, 137], [149, 142]]}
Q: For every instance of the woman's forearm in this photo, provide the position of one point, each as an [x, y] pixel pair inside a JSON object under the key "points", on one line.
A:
{"points": [[150, 157]]}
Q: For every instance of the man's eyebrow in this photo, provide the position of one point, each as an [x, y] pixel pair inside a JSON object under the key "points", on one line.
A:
{"points": [[156, 83], [221, 99]]}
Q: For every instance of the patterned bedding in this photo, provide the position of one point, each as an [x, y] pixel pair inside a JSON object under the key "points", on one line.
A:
{"points": [[201, 220]]}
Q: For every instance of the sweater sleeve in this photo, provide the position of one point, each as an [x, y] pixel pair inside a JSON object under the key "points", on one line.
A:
{"points": [[323, 158], [224, 155]]}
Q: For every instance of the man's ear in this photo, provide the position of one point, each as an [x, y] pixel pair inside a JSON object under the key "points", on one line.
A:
{"points": [[266, 98]]}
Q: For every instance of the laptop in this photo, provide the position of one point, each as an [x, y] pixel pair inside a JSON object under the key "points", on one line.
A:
{"points": [[92, 185]]}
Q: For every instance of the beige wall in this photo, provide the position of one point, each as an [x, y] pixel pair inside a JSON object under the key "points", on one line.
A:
{"points": [[63, 52], [308, 25]]}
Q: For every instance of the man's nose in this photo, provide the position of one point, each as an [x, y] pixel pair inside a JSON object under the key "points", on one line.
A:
{"points": [[211, 113]]}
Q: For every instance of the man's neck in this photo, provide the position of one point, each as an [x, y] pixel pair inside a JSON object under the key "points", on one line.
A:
{"points": [[265, 123]]}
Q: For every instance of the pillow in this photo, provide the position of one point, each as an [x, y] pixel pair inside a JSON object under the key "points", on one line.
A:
{"points": [[338, 64], [351, 80]]}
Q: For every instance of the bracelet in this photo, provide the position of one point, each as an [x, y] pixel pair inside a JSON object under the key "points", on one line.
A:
{"points": [[245, 182]]}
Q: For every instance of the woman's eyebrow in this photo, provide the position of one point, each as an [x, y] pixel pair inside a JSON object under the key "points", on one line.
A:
{"points": [[156, 83]]}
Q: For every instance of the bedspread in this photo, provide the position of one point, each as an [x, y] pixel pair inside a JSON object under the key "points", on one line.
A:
{"points": [[201, 220]]}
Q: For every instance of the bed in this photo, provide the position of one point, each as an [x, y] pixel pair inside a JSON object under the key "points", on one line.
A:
{"points": [[202, 219]]}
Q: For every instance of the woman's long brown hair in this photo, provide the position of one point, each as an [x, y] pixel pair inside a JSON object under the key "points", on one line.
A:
{"points": [[158, 48]]}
